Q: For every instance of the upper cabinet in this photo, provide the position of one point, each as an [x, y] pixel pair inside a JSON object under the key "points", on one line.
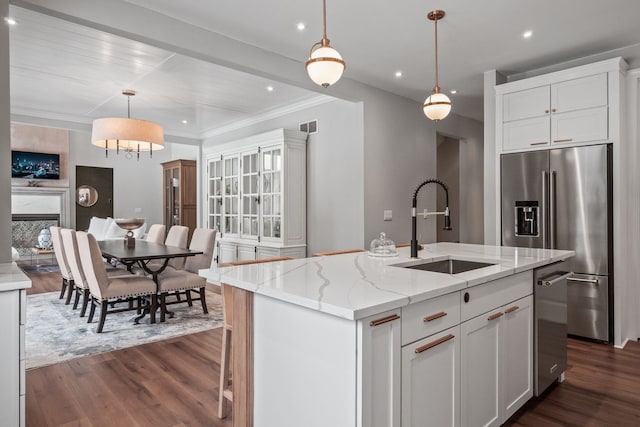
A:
{"points": [[256, 196], [563, 108]]}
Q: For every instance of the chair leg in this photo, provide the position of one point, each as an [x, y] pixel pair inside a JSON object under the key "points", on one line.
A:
{"points": [[70, 286], [92, 311], [76, 299], [224, 371], [203, 301], [187, 293], [85, 301], [103, 315], [177, 294], [63, 288]]}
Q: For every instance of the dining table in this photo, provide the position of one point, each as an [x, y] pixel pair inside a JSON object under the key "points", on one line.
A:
{"points": [[142, 254]]}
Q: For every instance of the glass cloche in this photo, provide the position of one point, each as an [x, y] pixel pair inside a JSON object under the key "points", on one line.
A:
{"points": [[382, 247]]}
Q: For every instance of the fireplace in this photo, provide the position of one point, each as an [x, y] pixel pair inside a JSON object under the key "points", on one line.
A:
{"points": [[26, 227], [35, 208]]}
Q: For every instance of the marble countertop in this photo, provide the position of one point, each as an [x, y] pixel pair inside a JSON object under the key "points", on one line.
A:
{"points": [[356, 285], [11, 277]]}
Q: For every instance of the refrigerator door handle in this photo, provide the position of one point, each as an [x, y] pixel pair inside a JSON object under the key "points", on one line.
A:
{"points": [[552, 210], [554, 278], [543, 226]]}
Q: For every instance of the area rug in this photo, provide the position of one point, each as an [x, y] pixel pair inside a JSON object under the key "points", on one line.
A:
{"points": [[55, 333]]}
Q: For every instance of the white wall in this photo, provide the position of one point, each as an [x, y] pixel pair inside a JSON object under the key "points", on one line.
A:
{"points": [[335, 172], [5, 138], [136, 183]]}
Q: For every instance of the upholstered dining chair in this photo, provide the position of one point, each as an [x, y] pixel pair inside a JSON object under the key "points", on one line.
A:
{"points": [[61, 258], [188, 281], [178, 236], [156, 233], [104, 289], [73, 258], [225, 391]]}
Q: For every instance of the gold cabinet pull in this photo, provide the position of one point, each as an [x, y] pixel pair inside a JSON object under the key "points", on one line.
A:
{"points": [[434, 316], [563, 140], [495, 316], [511, 309], [546, 111], [384, 320], [434, 343], [539, 143], [553, 110]]}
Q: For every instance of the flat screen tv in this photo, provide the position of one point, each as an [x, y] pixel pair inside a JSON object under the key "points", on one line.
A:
{"points": [[29, 165]]}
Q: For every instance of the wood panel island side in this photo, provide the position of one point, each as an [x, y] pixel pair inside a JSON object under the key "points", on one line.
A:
{"points": [[354, 340]]}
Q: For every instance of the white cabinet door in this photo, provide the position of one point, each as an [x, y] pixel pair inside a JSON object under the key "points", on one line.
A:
{"points": [[10, 356], [524, 134], [480, 366], [379, 359], [517, 378], [526, 104], [227, 252], [246, 252], [579, 94], [580, 126], [430, 380], [249, 194]]}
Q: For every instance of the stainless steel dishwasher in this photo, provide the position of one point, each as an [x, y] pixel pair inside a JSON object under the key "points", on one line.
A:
{"points": [[550, 324]]}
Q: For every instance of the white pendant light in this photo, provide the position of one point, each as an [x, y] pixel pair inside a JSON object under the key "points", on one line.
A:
{"points": [[127, 134], [437, 105], [325, 65]]}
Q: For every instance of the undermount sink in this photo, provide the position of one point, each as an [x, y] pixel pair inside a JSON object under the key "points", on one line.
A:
{"points": [[447, 266]]}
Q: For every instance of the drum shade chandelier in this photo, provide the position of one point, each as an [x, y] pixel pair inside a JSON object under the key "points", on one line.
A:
{"points": [[325, 65], [437, 105], [127, 134]]}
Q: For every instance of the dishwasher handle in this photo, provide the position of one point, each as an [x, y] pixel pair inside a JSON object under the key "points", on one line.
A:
{"points": [[554, 278]]}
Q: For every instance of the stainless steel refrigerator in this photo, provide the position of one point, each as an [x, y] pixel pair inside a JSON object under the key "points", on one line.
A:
{"points": [[562, 199]]}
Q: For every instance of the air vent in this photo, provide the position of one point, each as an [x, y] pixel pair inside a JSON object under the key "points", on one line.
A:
{"points": [[309, 127]]}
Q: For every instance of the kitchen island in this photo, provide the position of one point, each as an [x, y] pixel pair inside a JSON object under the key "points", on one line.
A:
{"points": [[354, 340]]}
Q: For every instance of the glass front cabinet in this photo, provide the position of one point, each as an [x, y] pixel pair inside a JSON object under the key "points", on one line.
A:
{"points": [[256, 196]]}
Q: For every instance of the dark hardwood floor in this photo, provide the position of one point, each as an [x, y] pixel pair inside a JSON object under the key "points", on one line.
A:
{"points": [[175, 383]]}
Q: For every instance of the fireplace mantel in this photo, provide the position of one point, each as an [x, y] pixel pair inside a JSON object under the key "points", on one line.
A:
{"points": [[61, 193]]}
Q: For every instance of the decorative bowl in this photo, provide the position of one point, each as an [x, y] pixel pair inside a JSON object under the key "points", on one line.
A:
{"points": [[129, 223]]}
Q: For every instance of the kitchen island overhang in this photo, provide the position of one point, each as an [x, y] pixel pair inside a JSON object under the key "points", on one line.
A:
{"points": [[303, 336]]}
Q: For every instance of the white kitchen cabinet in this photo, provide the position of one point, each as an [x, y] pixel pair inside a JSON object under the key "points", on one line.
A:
{"points": [[497, 362], [566, 112], [379, 365], [256, 194], [517, 360], [12, 354], [431, 380], [480, 370]]}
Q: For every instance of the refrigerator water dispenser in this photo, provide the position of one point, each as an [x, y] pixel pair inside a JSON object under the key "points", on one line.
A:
{"points": [[526, 218]]}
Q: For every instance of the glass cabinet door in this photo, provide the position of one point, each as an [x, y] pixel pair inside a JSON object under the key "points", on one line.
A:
{"points": [[175, 196], [250, 195], [215, 194], [271, 203], [230, 195]]}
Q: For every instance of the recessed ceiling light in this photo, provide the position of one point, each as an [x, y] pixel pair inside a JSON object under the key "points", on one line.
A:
{"points": [[270, 88], [184, 122], [398, 73], [301, 26], [10, 20], [527, 34], [453, 91]]}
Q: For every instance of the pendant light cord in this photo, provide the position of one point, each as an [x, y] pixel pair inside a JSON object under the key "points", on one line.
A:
{"points": [[437, 88], [324, 19]]}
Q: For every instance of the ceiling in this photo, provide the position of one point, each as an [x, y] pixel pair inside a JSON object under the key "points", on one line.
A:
{"points": [[62, 69]]}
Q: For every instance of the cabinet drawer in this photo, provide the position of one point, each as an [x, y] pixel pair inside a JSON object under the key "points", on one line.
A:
{"points": [[580, 126], [528, 133], [488, 296], [428, 317]]}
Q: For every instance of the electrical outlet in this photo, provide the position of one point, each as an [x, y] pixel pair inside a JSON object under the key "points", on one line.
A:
{"points": [[387, 215]]}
